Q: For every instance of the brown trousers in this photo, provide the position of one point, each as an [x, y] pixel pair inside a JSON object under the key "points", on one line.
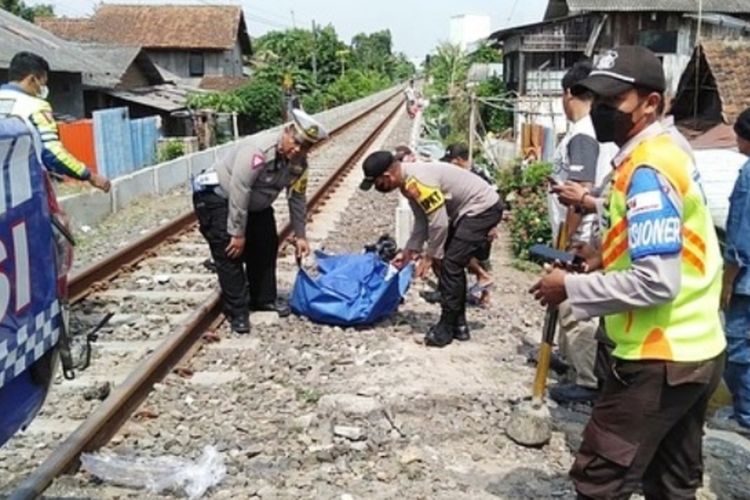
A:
{"points": [[646, 431]]}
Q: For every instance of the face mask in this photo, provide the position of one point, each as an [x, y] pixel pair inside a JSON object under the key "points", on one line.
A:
{"points": [[611, 124], [43, 92], [382, 189]]}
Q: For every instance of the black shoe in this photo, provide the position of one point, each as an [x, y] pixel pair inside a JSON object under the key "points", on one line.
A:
{"points": [[558, 365], [210, 265], [240, 324], [433, 297], [441, 334], [572, 393], [461, 332], [279, 307]]}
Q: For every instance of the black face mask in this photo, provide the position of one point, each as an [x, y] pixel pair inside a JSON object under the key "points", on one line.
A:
{"points": [[611, 124], [382, 189]]}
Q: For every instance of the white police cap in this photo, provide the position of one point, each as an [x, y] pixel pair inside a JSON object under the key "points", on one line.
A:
{"points": [[308, 127]]}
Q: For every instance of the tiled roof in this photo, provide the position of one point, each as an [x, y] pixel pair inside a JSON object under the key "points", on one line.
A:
{"points": [[211, 27], [729, 62]]}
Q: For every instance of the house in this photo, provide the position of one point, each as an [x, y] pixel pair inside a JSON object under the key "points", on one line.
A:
{"points": [[537, 54], [190, 41], [68, 64]]}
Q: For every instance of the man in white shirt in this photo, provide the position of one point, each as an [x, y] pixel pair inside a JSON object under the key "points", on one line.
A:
{"points": [[579, 158]]}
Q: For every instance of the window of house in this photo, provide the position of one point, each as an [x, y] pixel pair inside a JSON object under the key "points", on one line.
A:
{"points": [[661, 42], [196, 64]]}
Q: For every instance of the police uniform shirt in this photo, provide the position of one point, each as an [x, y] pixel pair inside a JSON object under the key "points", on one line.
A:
{"points": [[656, 261], [252, 174], [440, 194]]}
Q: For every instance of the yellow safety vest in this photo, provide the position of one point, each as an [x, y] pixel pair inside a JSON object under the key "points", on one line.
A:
{"points": [[688, 328]]}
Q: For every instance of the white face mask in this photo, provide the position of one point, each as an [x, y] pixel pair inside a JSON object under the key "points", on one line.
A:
{"points": [[43, 92]]}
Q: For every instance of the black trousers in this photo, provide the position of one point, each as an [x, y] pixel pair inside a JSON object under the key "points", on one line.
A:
{"points": [[249, 279], [646, 430], [467, 239]]}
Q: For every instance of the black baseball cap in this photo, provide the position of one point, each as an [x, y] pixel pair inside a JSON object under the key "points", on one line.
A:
{"points": [[621, 69], [455, 151], [375, 165]]}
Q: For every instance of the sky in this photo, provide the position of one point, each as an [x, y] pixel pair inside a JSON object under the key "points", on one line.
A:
{"points": [[417, 26]]}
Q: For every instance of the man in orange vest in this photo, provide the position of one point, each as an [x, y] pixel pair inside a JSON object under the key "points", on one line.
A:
{"points": [[658, 284]]}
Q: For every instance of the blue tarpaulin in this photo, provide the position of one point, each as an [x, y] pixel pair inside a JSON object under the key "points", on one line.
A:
{"points": [[350, 289]]}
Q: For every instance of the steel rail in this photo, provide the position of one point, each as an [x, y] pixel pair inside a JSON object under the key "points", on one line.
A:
{"points": [[81, 283], [104, 422]]}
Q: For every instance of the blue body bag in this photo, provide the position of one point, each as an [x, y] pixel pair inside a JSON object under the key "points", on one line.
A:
{"points": [[350, 289]]}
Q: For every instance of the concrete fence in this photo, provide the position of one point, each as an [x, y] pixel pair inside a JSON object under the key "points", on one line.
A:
{"points": [[91, 207]]}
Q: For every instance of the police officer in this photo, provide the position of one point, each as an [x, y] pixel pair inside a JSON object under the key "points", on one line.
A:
{"points": [[454, 211], [233, 202], [26, 96], [658, 288]]}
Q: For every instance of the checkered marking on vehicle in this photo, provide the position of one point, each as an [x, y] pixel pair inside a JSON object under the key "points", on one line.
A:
{"points": [[16, 356]]}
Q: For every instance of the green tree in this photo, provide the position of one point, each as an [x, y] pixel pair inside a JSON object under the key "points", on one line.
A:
{"points": [[373, 51], [20, 9]]}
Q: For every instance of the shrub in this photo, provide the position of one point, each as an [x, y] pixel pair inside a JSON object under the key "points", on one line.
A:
{"points": [[170, 150], [526, 189]]}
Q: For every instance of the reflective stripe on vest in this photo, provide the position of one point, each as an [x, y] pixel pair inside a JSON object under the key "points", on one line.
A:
{"points": [[688, 328]]}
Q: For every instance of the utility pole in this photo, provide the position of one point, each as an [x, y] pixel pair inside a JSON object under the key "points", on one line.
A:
{"points": [[294, 23], [315, 53]]}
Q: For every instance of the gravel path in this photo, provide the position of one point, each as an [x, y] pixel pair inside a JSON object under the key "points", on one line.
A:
{"points": [[307, 411]]}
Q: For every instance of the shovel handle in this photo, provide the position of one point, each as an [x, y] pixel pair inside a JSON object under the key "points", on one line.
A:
{"points": [[542, 369], [545, 355]]}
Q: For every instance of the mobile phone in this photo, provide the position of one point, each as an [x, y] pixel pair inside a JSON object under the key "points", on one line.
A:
{"points": [[544, 254], [552, 180]]}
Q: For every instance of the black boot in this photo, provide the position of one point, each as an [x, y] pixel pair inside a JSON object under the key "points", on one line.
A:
{"points": [[461, 332], [240, 324], [441, 334], [278, 306]]}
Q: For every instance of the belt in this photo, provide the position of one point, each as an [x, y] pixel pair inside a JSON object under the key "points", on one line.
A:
{"points": [[208, 180]]}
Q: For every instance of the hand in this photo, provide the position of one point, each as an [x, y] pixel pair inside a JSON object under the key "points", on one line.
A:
{"points": [[569, 193], [588, 253], [726, 296], [493, 234], [424, 266], [301, 248], [236, 247], [100, 182], [550, 290], [403, 258]]}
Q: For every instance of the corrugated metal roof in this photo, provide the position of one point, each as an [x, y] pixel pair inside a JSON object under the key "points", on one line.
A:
{"points": [[723, 6], [165, 97], [213, 27], [18, 35]]}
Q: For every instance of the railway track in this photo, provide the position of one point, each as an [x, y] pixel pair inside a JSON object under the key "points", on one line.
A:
{"points": [[159, 325]]}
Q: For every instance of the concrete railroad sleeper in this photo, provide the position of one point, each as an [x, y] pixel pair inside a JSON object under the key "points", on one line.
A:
{"points": [[116, 409]]}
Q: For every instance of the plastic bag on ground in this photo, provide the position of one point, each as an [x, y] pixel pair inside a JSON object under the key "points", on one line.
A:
{"points": [[350, 289], [158, 474]]}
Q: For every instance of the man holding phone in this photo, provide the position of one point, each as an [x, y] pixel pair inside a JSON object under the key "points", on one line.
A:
{"points": [[582, 160]]}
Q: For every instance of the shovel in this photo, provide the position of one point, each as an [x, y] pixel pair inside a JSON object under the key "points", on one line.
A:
{"points": [[530, 421]]}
